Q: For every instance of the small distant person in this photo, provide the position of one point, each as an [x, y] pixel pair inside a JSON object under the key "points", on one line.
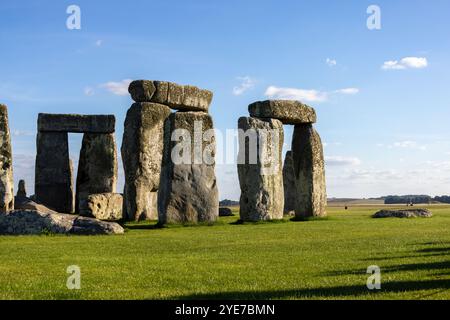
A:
{"points": [[346, 208]]}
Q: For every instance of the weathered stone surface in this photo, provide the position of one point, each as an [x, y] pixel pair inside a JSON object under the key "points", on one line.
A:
{"points": [[287, 111], [188, 192], [21, 191], [54, 172], [260, 169], [97, 167], [24, 203], [103, 206], [412, 213], [225, 212], [142, 90], [290, 189], [28, 222], [6, 167], [142, 152], [178, 97], [309, 168], [76, 123]]}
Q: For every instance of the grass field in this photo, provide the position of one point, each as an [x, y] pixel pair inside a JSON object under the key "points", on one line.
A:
{"points": [[320, 259]]}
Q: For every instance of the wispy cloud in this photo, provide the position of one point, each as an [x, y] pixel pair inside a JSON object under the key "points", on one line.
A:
{"points": [[408, 144], [118, 88], [331, 62], [88, 91], [342, 161], [98, 43], [247, 83], [274, 92], [405, 63]]}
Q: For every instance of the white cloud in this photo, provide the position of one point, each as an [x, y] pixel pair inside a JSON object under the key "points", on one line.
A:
{"points": [[296, 94], [274, 92], [22, 133], [331, 62], [407, 144], [406, 63], [247, 83], [88, 91], [349, 91], [98, 43], [342, 161], [118, 88]]}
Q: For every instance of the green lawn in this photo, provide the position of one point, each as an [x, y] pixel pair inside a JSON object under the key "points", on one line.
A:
{"points": [[321, 259]]}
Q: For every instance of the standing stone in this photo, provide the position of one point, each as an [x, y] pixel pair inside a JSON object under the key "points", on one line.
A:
{"points": [[22, 192], [54, 174], [188, 192], [6, 167], [260, 169], [309, 168], [142, 152], [97, 167], [290, 194]]}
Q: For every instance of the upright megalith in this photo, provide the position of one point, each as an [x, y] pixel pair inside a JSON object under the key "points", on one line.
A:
{"points": [[6, 167], [97, 167], [54, 172], [188, 190], [309, 168], [21, 190], [260, 169], [142, 152], [290, 189]]}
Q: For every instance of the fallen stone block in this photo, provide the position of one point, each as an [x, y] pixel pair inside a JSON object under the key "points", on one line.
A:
{"points": [[287, 111], [103, 206], [31, 222], [225, 212], [412, 213]]}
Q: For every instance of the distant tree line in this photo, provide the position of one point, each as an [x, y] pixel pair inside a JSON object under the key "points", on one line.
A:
{"points": [[415, 199]]}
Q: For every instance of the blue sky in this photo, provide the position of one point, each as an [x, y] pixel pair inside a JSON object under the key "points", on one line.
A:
{"points": [[385, 130]]}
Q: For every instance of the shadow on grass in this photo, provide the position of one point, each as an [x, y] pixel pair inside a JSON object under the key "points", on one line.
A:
{"points": [[322, 293], [306, 219], [442, 265]]}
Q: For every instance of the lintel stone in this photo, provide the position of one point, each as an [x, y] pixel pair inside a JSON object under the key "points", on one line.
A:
{"points": [[76, 123]]}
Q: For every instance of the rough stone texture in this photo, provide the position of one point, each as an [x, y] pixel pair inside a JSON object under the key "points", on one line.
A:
{"points": [[97, 167], [24, 203], [287, 111], [54, 172], [76, 123], [261, 181], [27, 222], [412, 213], [21, 191], [188, 192], [6, 167], [104, 206], [309, 168], [142, 152], [290, 189], [225, 212], [178, 97], [142, 90]]}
